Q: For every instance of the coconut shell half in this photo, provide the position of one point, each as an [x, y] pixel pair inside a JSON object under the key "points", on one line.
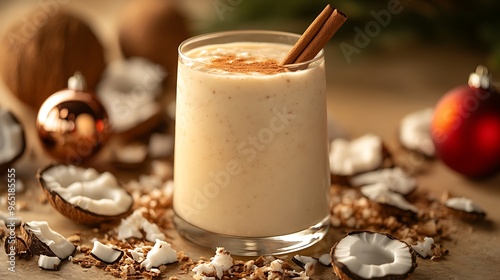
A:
{"points": [[368, 253], [74, 212]]}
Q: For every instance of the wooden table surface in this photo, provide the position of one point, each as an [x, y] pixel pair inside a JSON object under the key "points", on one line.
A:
{"points": [[368, 95]]}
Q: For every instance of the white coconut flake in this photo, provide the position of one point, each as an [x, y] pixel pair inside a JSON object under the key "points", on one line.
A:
{"points": [[414, 131], [155, 270], [424, 249], [161, 169], [106, 253], [162, 253], [325, 260], [49, 263], [463, 204], [55, 241], [302, 261], [276, 266], [395, 178], [132, 153], [137, 254], [161, 145], [203, 269], [356, 156], [381, 193], [133, 224], [222, 261]]}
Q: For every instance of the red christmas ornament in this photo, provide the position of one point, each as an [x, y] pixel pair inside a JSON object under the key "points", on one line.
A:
{"points": [[466, 127]]}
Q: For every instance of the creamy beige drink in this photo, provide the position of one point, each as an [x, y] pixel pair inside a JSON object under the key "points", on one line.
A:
{"points": [[251, 150]]}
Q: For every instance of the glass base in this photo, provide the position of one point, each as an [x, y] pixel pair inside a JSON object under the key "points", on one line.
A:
{"points": [[253, 246]]}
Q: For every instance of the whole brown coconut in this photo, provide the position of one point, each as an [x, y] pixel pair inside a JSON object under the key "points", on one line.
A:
{"points": [[38, 56], [153, 29]]}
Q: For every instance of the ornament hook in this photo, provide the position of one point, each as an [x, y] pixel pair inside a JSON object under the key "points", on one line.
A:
{"points": [[77, 82]]}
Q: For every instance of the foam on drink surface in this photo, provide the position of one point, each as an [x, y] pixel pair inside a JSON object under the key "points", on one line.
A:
{"points": [[247, 58]]}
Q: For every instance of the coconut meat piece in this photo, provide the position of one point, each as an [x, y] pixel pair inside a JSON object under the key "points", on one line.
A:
{"points": [[325, 260], [373, 255], [381, 193], [11, 137], [131, 153], [133, 224], [463, 204], [395, 178], [129, 89], [305, 262], [414, 132], [356, 156], [161, 145], [106, 253], [97, 193], [222, 261], [48, 263], [424, 249], [61, 247], [162, 253]]}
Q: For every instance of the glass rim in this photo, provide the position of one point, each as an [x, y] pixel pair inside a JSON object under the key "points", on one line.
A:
{"points": [[220, 34]]}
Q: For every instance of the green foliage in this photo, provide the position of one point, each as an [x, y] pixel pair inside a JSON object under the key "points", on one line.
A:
{"points": [[473, 24]]}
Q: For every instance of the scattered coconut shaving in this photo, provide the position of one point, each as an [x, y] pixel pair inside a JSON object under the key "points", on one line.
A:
{"points": [[49, 263], [136, 263], [424, 248], [136, 224], [222, 266], [382, 194], [395, 179], [351, 210]]}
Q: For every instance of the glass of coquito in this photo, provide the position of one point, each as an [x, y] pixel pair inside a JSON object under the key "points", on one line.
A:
{"points": [[251, 170]]}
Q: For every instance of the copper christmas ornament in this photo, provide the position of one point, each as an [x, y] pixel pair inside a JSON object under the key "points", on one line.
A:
{"points": [[72, 124]]}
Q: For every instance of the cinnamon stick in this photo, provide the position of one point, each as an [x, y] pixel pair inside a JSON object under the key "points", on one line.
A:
{"points": [[319, 32]]}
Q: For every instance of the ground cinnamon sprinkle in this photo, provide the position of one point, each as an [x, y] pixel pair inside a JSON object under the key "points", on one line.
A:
{"points": [[231, 63]]}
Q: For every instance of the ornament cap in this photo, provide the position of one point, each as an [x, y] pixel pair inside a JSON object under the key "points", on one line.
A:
{"points": [[77, 82], [481, 78]]}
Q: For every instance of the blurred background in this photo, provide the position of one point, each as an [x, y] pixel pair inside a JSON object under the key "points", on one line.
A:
{"points": [[474, 25], [405, 52]]}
